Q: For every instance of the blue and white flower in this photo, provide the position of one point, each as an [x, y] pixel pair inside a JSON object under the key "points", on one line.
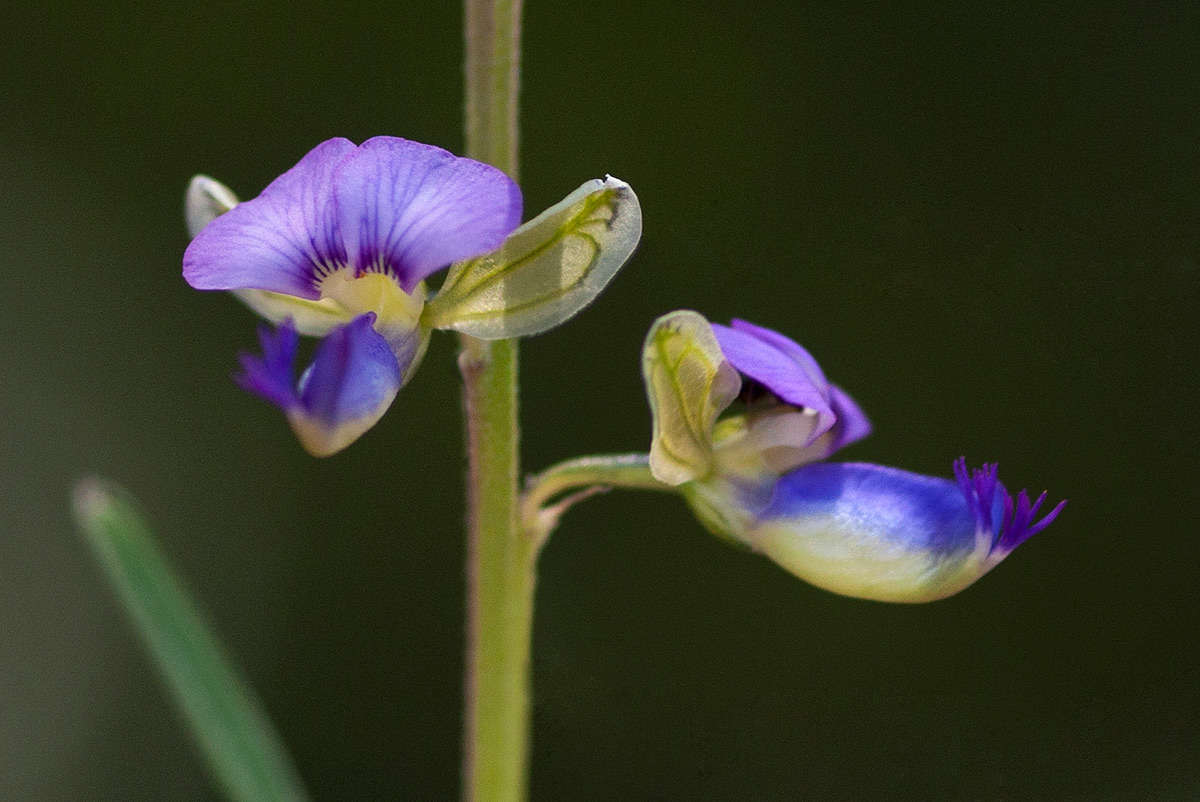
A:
{"points": [[755, 475]]}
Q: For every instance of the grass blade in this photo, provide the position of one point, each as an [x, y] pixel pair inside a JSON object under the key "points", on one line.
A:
{"points": [[226, 719]]}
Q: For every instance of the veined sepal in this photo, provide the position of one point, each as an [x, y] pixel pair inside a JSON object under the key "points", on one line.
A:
{"points": [[689, 383], [725, 507], [311, 318], [547, 270]]}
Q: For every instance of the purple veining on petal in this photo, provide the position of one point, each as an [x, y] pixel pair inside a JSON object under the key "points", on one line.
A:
{"points": [[272, 375], [409, 209], [1011, 523], [388, 205], [284, 240]]}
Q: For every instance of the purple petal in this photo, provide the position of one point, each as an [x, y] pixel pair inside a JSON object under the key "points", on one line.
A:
{"points": [[411, 209], [272, 376], [1010, 521], [779, 364], [1024, 525], [281, 241], [852, 423], [796, 352]]}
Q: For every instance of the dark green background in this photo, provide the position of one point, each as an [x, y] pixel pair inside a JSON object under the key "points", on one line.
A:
{"points": [[985, 222]]}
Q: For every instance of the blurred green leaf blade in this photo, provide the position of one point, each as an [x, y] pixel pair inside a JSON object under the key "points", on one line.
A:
{"points": [[224, 715]]}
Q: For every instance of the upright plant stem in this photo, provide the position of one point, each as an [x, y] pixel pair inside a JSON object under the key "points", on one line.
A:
{"points": [[500, 558]]}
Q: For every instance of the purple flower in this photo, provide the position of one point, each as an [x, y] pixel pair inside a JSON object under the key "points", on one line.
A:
{"points": [[338, 247], [388, 206], [755, 476]]}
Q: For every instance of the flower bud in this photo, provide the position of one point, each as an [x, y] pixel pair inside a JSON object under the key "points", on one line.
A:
{"points": [[204, 201]]}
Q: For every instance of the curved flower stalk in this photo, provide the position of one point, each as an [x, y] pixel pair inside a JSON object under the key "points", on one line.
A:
{"points": [[340, 245], [755, 476]]}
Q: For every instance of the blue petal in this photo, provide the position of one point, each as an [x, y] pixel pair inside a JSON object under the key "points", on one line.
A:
{"points": [[872, 532], [881, 533], [409, 209], [351, 382], [887, 506], [283, 241], [352, 372]]}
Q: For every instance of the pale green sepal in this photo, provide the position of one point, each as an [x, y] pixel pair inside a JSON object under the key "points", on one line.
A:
{"points": [[225, 716], [689, 383], [547, 270], [311, 318], [722, 507], [412, 348], [205, 200]]}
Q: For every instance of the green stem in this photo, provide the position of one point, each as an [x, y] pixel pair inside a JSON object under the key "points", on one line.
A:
{"points": [[500, 558], [492, 31], [500, 582]]}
